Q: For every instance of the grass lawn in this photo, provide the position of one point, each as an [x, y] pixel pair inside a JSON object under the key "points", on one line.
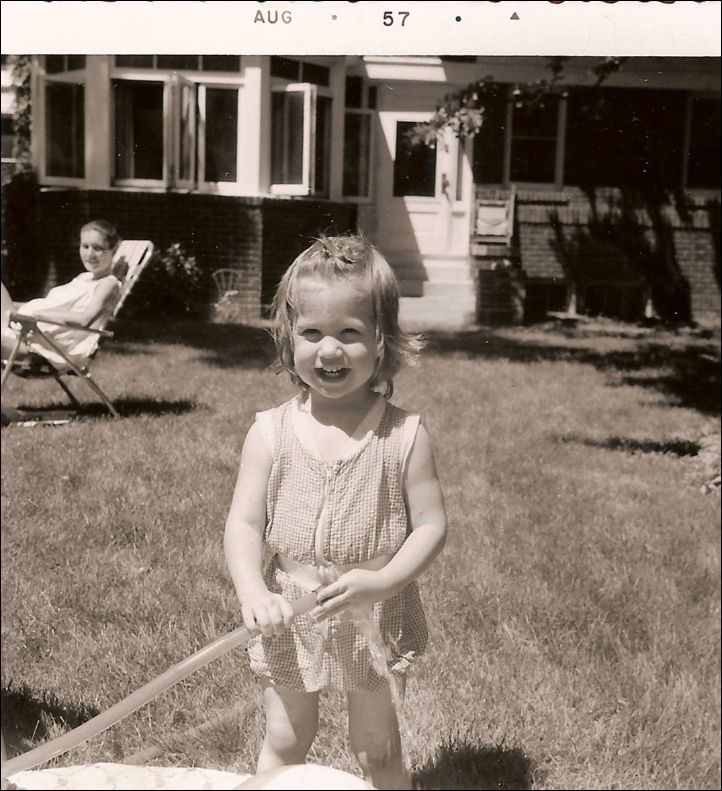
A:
{"points": [[575, 613]]}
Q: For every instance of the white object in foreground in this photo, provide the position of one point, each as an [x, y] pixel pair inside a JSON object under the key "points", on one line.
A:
{"points": [[125, 777]]}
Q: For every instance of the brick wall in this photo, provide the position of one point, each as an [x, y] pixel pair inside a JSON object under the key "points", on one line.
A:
{"points": [[693, 235], [290, 226], [245, 233]]}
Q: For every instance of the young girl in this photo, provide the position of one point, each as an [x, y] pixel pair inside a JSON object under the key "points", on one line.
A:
{"points": [[338, 488], [83, 301]]}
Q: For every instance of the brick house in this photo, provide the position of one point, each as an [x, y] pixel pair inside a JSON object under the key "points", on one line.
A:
{"points": [[242, 159]]}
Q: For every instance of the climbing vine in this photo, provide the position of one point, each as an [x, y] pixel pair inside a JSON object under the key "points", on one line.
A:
{"points": [[20, 70]]}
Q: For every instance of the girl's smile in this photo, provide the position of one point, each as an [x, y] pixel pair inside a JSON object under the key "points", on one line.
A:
{"points": [[334, 338]]}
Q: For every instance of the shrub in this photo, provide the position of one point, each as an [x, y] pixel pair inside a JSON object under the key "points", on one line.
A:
{"points": [[173, 285]]}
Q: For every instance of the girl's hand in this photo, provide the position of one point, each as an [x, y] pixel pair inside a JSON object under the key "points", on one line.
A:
{"points": [[266, 612], [355, 588]]}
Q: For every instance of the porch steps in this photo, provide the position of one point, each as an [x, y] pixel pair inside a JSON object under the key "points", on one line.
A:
{"points": [[439, 295], [442, 306]]}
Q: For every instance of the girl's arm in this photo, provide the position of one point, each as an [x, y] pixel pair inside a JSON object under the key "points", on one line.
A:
{"points": [[427, 515], [106, 293], [243, 539]]}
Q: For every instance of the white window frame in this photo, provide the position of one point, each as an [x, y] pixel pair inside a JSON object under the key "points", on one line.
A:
{"points": [[76, 77], [169, 123], [310, 94]]}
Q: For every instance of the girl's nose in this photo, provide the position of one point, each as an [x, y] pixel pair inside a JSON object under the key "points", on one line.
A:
{"points": [[329, 347]]}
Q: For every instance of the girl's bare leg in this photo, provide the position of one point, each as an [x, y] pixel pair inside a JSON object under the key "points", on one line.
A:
{"points": [[291, 724], [375, 739]]}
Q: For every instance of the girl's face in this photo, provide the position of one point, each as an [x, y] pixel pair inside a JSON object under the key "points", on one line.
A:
{"points": [[334, 337], [95, 253]]}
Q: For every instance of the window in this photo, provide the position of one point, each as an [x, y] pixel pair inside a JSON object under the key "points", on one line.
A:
{"points": [[8, 145], [356, 159], [64, 129], [414, 164], [625, 137], [518, 142], [300, 140], [138, 130], [703, 153], [360, 99], [299, 70], [534, 142], [287, 133], [488, 157], [219, 133], [56, 64], [230, 63]]}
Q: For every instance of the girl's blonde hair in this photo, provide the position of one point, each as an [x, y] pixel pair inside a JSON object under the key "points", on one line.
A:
{"points": [[347, 257]]}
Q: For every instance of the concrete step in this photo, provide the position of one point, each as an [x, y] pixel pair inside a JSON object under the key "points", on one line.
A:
{"points": [[442, 306]]}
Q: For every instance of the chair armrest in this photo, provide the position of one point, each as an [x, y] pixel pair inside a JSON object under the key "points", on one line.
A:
{"points": [[32, 323]]}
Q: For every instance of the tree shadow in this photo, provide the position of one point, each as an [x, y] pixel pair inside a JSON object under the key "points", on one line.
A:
{"points": [[460, 765], [688, 370], [223, 345], [127, 408], [628, 240], [28, 715], [678, 448]]}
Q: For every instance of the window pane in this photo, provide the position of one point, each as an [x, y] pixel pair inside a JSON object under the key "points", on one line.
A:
{"points": [[54, 64], [357, 134], [318, 75], [188, 100], [354, 91], [220, 62], [625, 137], [138, 130], [134, 61], [287, 138], [414, 164], [8, 139], [177, 61], [488, 162], [65, 129], [286, 68], [323, 144], [76, 62], [533, 142], [703, 164], [533, 160], [221, 134], [371, 101]]}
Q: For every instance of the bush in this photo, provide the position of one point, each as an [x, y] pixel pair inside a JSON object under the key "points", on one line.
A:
{"points": [[173, 285]]}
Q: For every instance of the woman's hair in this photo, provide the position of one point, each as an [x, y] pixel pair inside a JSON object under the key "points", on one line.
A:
{"points": [[106, 229], [349, 257]]}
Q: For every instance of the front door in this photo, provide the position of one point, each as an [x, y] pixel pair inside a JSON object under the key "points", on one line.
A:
{"points": [[423, 199]]}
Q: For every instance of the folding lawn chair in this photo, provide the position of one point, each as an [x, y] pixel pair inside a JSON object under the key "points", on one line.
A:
{"points": [[130, 259], [228, 282]]}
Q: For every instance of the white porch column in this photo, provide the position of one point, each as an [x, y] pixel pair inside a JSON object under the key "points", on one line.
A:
{"points": [[337, 84], [98, 134], [254, 166]]}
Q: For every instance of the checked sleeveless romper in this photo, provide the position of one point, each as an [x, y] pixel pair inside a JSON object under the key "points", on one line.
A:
{"points": [[322, 514]]}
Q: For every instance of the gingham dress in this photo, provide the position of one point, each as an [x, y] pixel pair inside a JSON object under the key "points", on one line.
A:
{"points": [[342, 512]]}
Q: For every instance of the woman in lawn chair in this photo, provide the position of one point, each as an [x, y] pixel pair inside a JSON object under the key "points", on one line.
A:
{"points": [[85, 301]]}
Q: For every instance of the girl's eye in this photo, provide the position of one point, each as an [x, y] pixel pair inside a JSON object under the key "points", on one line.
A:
{"points": [[351, 331], [311, 335]]}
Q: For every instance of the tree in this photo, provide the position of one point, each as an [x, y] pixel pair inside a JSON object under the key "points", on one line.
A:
{"points": [[463, 111]]}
